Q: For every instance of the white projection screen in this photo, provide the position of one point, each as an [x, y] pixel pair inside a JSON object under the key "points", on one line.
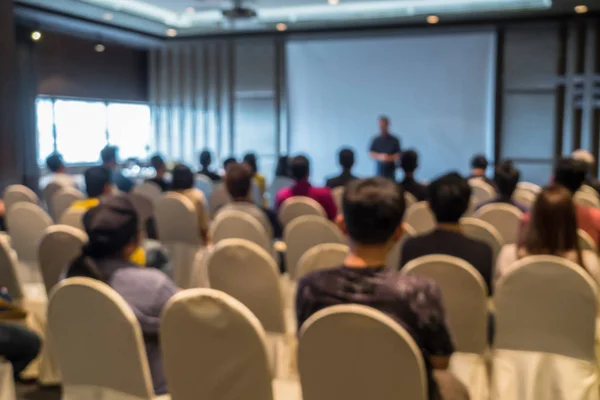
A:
{"points": [[437, 89]]}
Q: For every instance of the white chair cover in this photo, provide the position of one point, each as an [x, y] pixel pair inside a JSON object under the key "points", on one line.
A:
{"points": [[14, 194], [215, 348], [420, 218], [464, 296], [480, 230], [586, 199], [204, 184], [482, 191], [148, 189], [531, 187], [251, 210], [322, 256], [299, 206], [218, 198], [524, 197], [393, 258], [73, 217], [233, 224], [338, 195], [409, 199], [588, 189], [101, 353], [506, 218], [305, 232], [7, 384], [63, 200], [279, 183], [144, 208], [546, 310], [48, 193], [353, 352]]}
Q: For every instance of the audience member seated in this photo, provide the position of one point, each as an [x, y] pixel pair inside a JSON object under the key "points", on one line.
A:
{"points": [[346, 161], [183, 183], [300, 169], [409, 162], [238, 182], [112, 228], [372, 218], [58, 174], [588, 159], [506, 178], [205, 162], [283, 168], [552, 231], [259, 179], [449, 199], [228, 161], [160, 167], [479, 166], [571, 174], [109, 157]]}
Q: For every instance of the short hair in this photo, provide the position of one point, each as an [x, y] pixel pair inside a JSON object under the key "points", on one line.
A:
{"points": [[54, 162], [238, 180], [373, 209], [479, 162], [449, 197], [228, 161], [183, 177], [205, 158], [506, 177], [300, 168], [250, 159], [384, 118], [409, 161], [96, 179], [157, 162], [570, 173], [109, 154], [346, 158]]}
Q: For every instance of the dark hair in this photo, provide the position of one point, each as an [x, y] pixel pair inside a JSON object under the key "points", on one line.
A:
{"points": [[183, 177], [96, 179], [506, 177], [300, 168], [250, 159], [54, 162], [449, 197], [109, 154], [228, 161], [205, 158], [384, 118], [346, 159], [570, 173], [283, 167], [373, 210], [238, 180], [409, 161], [479, 162], [157, 162]]}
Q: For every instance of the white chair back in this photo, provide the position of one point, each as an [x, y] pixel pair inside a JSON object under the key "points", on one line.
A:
{"points": [[305, 232], [48, 193], [59, 247], [148, 189], [26, 224], [588, 189], [506, 218], [586, 242], [204, 184], [482, 191], [299, 206], [233, 224], [279, 183], [354, 352], [586, 199], [530, 187], [409, 199], [218, 198], [63, 200], [393, 258], [14, 194], [7, 381], [9, 270], [420, 218], [484, 232], [144, 208], [176, 220], [322, 256], [338, 196], [73, 217], [524, 197], [214, 348], [101, 354]]}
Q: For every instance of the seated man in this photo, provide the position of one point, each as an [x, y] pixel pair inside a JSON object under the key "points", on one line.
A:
{"points": [[205, 161], [372, 219], [109, 161], [58, 174], [300, 168], [183, 183], [479, 166], [409, 162], [346, 161], [588, 159], [160, 167], [449, 199], [506, 178], [238, 182]]}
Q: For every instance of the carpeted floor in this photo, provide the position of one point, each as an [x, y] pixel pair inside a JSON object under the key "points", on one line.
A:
{"points": [[34, 392]]}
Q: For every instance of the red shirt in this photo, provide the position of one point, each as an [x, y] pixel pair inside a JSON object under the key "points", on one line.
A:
{"points": [[304, 188]]}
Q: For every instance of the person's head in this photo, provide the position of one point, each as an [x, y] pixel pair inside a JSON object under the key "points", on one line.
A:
{"points": [[570, 173], [506, 177], [97, 182], [283, 167], [372, 212], [409, 161], [109, 156], [585, 157], [238, 180], [449, 197], [183, 177], [159, 165], [346, 159], [384, 124], [300, 168], [205, 159], [228, 162], [55, 163], [479, 164], [252, 162]]}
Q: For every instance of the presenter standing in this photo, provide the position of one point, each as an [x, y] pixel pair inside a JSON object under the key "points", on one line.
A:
{"points": [[385, 149]]}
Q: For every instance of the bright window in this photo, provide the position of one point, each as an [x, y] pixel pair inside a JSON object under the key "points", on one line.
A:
{"points": [[129, 129], [45, 122]]}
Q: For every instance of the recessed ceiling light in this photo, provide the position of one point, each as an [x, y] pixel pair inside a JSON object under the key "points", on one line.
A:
{"points": [[171, 32], [99, 48], [190, 10], [281, 27], [333, 2], [433, 19], [581, 9], [36, 35], [108, 17]]}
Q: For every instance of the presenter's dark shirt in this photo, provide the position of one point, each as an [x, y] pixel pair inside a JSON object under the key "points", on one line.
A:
{"points": [[386, 144]]}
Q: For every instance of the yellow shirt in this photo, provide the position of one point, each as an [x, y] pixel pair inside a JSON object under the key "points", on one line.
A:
{"points": [[262, 186]]}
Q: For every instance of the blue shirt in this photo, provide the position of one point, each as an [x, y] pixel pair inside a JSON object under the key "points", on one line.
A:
{"points": [[386, 144]]}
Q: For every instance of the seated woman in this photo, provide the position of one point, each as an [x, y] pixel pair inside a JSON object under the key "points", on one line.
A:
{"points": [[183, 183], [112, 228], [552, 231]]}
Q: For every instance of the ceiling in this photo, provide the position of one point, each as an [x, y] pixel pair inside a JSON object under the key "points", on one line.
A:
{"points": [[183, 18]]}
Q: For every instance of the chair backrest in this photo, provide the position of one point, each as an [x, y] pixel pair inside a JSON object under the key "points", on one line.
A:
{"points": [[14, 194], [26, 224], [73, 217], [299, 206], [279, 183], [234, 224], [176, 220], [586, 199], [531, 187], [586, 242], [144, 208], [97, 340], [464, 295], [63, 199], [204, 184], [48, 193], [338, 195], [218, 198], [59, 246], [393, 258], [353, 352], [9, 275], [482, 191], [305, 232], [248, 273], [588, 189], [480, 230], [322, 256], [524, 197], [506, 218], [409, 199], [546, 304], [214, 348], [149, 189], [420, 218]]}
